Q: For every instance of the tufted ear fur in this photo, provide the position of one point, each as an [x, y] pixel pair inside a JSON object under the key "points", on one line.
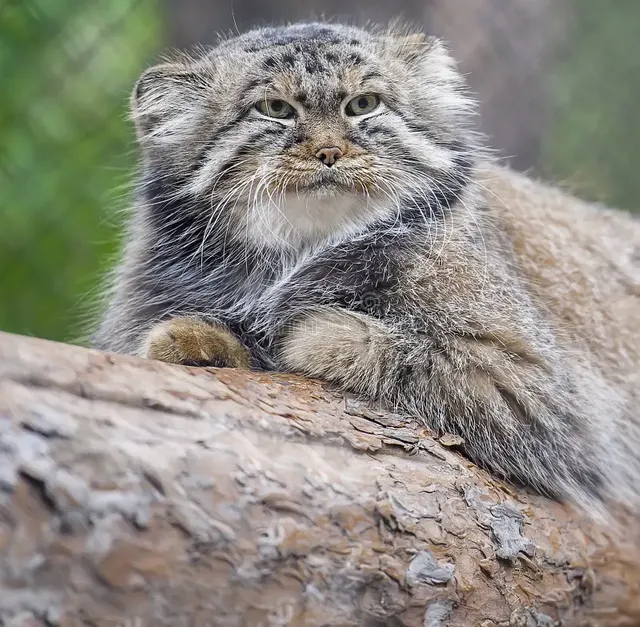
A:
{"points": [[163, 99], [401, 42], [433, 70], [411, 47], [426, 52]]}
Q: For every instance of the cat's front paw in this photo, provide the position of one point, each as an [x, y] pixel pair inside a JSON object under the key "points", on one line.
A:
{"points": [[342, 347], [190, 341]]}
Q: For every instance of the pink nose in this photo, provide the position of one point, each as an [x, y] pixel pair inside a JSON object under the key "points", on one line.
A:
{"points": [[329, 155]]}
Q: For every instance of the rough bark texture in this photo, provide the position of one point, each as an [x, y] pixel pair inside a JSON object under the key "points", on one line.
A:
{"points": [[136, 493]]}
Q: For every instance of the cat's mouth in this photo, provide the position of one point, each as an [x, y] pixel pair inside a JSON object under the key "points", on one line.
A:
{"points": [[324, 180]]}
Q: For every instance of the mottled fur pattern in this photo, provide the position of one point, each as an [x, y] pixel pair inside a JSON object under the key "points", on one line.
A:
{"points": [[413, 271]]}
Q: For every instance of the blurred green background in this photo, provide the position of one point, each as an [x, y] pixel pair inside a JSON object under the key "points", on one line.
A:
{"points": [[66, 70], [560, 90]]}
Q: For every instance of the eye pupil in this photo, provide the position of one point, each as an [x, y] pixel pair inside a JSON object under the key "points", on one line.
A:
{"points": [[363, 102], [277, 105]]}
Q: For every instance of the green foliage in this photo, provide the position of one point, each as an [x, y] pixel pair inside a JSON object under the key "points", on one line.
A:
{"points": [[67, 67], [593, 142]]}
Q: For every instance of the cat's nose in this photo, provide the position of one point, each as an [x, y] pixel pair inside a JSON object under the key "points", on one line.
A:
{"points": [[329, 155]]}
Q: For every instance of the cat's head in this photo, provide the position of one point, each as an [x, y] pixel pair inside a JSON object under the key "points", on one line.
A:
{"points": [[308, 131]]}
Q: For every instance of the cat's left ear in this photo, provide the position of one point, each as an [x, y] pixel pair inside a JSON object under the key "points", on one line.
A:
{"points": [[429, 58], [411, 47], [414, 48]]}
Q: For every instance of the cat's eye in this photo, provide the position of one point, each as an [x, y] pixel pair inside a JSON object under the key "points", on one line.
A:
{"points": [[279, 109], [361, 105]]}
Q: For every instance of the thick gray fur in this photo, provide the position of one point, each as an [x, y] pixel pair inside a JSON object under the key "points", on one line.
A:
{"points": [[385, 274]]}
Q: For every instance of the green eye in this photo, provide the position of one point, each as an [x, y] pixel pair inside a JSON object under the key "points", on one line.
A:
{"points": [[278, 109], [360, 105]]}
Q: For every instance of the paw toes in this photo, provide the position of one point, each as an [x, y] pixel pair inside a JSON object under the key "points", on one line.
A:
{"points": [[193, 342]]}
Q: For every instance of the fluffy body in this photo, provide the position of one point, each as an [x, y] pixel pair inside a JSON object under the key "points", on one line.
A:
{"points": [[413, 271]]}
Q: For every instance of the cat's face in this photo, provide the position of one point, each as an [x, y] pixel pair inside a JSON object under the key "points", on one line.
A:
{"points": [[308, 131]]}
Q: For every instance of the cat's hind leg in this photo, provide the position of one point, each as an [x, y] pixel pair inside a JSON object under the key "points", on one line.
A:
{"points": [[524, 416]]}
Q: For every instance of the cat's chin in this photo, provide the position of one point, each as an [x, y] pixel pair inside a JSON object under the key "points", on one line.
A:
{"points": [[324, 191]]}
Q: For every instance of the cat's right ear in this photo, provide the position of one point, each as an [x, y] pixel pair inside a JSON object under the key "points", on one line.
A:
{"points": [[163, 101]]}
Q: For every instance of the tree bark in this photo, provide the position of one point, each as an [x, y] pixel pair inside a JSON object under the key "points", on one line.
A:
{"points": [[137, 493]]}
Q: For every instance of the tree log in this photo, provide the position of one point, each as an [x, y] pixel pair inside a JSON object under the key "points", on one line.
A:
{"points": [[136, 493]]}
